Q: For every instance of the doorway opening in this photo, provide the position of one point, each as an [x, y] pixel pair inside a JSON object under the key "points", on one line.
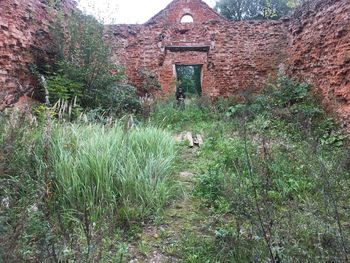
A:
{"points": [[189, 79]]}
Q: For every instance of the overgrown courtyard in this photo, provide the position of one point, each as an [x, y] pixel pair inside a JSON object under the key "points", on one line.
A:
{"points": [[270, 183], [100, 170]]}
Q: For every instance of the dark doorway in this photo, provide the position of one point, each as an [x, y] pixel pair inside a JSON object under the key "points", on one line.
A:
{"points": [[189, 78]]}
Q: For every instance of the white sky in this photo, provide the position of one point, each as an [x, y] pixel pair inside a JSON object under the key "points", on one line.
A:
{"points": [[126, 11]]}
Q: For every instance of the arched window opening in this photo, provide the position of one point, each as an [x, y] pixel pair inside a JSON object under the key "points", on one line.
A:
{"points": [[187, 19]]}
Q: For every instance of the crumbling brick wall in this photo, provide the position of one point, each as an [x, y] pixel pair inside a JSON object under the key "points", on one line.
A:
{"points": [[235, 56], [24, 27], [319, 51]]}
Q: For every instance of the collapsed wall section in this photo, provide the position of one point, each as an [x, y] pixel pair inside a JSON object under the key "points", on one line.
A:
{"points": [[319, 52], [24, 27]]}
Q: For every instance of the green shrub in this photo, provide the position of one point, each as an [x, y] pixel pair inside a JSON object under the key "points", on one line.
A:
{"points": [[286, 104], [273, 184], [119, 99], [62, 88], [287, 91], [82, 69], [21, 188]]}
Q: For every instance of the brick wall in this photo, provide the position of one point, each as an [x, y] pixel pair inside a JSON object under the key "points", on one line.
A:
{"points": [[23, 29], [173, 13], [235, 56], [320, 51]]}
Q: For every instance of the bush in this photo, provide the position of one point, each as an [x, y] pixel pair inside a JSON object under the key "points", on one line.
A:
{"points": [[266, 185], [287, 104], [119, 99], [82, 69]]}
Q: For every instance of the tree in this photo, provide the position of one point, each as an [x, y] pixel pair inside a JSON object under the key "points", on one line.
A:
{"points": [[83, 71], [237, 9], [189, 78], [255, 9]]}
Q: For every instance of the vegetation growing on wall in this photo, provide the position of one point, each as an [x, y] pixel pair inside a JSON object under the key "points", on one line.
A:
{"points": [[82, 70]]}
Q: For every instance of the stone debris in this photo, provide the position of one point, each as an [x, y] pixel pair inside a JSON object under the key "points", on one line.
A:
{"points": [[189, 138], [199, 139], [193, 140], [186, 174]]}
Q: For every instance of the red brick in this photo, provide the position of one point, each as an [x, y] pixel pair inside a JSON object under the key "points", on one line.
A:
{"points": [[319, 52], [17, 37], [314, 44], [241, 55]]}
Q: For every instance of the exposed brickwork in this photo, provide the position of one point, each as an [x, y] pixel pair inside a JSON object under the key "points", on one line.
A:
{"points": [[235, 55], [23, 28], [320, 51], [173, 13]]}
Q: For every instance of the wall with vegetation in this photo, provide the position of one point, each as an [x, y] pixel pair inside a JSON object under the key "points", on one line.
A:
{"points": [[320, 51], [236, 56], [24, 28]]}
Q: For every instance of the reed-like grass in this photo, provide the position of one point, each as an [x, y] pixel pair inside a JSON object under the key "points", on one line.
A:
{"points": [[100, 170], [71, 188]]}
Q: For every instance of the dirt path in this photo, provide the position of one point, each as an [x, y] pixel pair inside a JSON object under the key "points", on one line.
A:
{"points": [[158, 242]]}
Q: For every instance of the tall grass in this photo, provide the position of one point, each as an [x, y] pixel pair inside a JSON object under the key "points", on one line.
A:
{"points": [[198, 114], [102, 180], [105, 169]]}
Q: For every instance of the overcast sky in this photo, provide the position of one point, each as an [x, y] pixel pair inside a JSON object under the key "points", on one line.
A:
{"points": [[126, 11]]}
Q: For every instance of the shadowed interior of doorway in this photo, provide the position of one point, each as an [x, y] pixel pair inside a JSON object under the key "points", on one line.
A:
{"points": [[189, 79]]}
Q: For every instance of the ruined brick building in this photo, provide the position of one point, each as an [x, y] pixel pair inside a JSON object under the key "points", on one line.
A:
{"points": [[313, 45], [233, 55]]}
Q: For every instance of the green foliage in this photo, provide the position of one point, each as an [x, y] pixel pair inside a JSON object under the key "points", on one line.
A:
{"points": [[255, 9], [287, 104], [284, 165], [20, 188], [62, 88], [197, 111], [119, 99], [129, 178], [272, 182], [83, 70], [289, 188], [269, 160], [189, 79], [68, 189]]}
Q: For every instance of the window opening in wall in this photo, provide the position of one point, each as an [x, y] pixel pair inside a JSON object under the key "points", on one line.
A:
{"points": [[187, 19], [189, 79]]}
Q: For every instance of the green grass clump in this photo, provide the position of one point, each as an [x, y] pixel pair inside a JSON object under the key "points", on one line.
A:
{"points": [[77, 191], [106, 170], [194, 115]]}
